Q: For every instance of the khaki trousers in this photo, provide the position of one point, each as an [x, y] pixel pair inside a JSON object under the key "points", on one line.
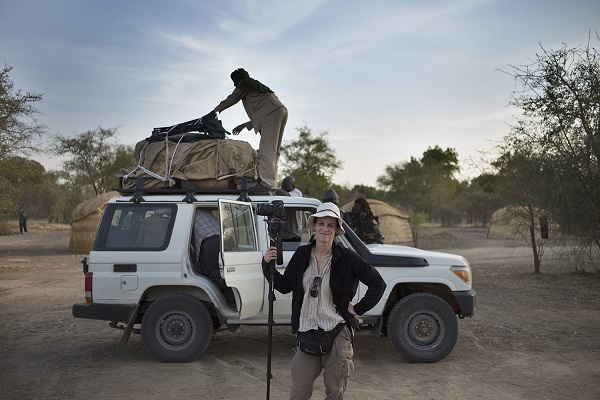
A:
{"points": [[271, 134], [337, 366]]}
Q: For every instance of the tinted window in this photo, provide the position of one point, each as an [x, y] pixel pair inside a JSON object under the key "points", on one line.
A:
{"points": [[134, 227]]}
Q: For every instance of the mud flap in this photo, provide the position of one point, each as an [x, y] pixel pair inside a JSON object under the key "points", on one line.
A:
{"points": [[129, 327], [376, 330]]}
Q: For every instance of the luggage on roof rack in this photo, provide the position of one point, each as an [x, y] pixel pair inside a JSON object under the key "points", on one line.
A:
{"points": [[210, 129], [172, 156]]}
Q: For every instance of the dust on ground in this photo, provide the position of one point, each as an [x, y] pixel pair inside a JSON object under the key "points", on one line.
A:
{"points": [[534, 336]]}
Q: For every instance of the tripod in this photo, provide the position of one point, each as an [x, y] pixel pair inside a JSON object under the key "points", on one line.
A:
{"points": [[271, 322]]}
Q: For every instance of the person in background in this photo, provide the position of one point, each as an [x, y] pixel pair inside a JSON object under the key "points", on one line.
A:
{"points": [[268, 116], [363, 222], [22, 222], [292, 231], [323, 278], [331, 196], [207, 243]]}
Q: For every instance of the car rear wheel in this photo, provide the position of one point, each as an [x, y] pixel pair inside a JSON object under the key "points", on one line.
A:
{"points": [[177, 328]]}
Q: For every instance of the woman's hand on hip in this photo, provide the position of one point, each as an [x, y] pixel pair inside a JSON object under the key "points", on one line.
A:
{"points": [[351, 309]]}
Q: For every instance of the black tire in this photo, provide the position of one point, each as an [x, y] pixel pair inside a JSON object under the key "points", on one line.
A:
{"points": [[423, 328], [177, 328]]}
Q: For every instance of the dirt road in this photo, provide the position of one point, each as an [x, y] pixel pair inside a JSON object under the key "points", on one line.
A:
{"points": [[533, 337]]}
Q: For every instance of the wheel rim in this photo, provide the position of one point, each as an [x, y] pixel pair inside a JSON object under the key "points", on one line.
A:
{"points": [[425, 329], [175, 330]]}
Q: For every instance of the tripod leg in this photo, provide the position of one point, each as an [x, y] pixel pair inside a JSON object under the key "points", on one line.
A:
{"points": [[271, 322]]}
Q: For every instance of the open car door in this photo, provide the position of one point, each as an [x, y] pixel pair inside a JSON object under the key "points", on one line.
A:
{"points": [[242, 260]]}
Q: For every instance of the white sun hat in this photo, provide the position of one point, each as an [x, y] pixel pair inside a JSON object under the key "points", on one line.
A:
{"points": [[326, 210]]}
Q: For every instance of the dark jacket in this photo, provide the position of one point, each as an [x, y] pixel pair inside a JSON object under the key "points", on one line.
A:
{"points": [[347, 269]]}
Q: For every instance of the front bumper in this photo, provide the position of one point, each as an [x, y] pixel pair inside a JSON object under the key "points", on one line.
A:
{"points": [[466, 303]]}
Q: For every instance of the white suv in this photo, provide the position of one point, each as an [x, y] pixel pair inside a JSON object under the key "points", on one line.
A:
{"points": [[152, 288]]}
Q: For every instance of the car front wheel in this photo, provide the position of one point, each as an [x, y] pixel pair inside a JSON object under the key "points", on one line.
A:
{"points": [[423, 328]]}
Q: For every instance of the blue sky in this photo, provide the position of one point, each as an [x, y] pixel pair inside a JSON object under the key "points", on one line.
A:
{"points": [[386, 79]]}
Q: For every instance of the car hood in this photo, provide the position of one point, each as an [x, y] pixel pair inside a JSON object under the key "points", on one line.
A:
{"points": [[432, 257]]}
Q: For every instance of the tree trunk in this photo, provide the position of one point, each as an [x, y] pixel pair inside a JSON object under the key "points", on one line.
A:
{"points": [[534, 245]]}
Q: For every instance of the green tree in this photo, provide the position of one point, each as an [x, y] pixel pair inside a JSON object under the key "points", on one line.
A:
{"points": [[368, 192], [19, 128], [94, 159], [124, 156], [446, 161], [559, 95], [521, 178], [426, 185], [475, 201], [347, 193], [18, 175], [404, 184], [311, 161], [19, 135], [53, 199]]}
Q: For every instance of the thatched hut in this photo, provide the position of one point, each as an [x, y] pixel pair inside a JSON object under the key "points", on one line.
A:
{"points": [[513, 223], [86, 219], [393, 223]]}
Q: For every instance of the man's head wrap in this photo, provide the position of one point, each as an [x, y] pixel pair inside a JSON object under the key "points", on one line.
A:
{"points": [[330, 196], [361, 205], [238, 75], [241, 79]]}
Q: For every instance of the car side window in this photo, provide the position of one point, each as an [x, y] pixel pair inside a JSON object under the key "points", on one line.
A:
{"points": [[238, 228], [145, 227]]}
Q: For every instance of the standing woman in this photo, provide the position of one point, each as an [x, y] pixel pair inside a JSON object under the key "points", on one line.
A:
{"points": [[323, 278]]}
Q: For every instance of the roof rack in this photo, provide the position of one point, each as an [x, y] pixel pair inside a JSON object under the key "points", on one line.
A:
{"points": [[189, 193]]}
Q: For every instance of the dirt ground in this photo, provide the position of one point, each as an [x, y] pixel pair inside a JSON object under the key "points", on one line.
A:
{"points": [[532, 337]]}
